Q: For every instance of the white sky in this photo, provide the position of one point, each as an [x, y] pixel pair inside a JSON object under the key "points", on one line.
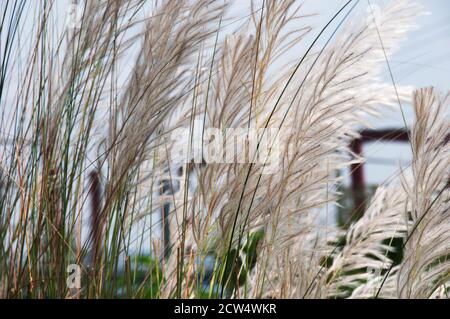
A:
{"points": [[423, 60]]}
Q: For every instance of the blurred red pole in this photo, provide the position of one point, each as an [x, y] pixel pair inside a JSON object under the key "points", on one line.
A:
{"points": [[358, 182], [357, 170]]}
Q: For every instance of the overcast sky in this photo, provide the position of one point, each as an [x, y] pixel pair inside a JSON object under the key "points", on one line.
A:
{"points": [[423, 60]]}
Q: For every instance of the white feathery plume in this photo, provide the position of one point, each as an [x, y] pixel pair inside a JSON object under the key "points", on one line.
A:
{"points": [[368, 241], [426, 266], [325, 114]]}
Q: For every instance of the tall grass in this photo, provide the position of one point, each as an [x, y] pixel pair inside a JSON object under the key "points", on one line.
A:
{"points": [[90, 174]]}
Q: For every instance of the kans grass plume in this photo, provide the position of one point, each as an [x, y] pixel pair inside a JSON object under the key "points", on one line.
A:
{"points": [[90, 176]]}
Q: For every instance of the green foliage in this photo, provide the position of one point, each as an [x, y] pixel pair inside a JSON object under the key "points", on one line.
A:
{"points": [[142, 279], [240, 263]]}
